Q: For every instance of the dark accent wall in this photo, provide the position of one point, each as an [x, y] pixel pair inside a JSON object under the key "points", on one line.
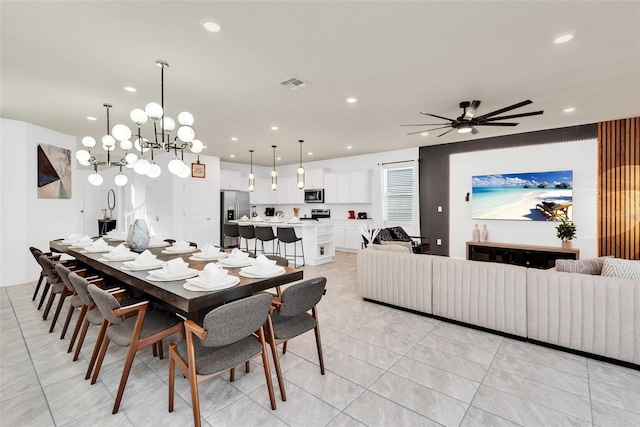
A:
{"points": [[434, 173]]}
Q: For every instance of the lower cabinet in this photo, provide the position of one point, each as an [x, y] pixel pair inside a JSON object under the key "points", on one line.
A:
{"points": [[347, 236]]}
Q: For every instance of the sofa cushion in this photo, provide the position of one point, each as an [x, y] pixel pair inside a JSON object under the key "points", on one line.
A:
{"points": [[621, 268], [582, 266], [391, 247]]}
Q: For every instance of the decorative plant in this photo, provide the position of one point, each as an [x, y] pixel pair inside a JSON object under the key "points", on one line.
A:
{"points": [[566, 230]]}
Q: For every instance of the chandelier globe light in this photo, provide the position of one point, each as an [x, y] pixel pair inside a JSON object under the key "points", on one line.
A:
{"points": [[300, 170]]}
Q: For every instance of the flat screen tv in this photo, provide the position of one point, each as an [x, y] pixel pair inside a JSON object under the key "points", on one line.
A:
{"points": [[530, 196]]}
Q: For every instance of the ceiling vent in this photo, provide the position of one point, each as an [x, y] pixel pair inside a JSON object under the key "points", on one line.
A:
{"points": [[295, 83]]}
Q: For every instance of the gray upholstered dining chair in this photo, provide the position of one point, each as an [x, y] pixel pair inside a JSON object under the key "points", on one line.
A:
{"points": [[143, 328], [74, 301], [230, 335], [291, 318], [88, 315], [43, 274], [57, 288]]}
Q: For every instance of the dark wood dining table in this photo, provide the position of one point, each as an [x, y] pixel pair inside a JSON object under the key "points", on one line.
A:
{"points": [[189, 304]]}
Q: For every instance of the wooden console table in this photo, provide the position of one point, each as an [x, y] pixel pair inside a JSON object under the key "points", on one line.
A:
{"points": [[524, 255]]}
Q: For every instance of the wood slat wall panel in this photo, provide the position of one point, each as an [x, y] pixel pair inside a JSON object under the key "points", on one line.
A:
{"points": [[619, 188]]}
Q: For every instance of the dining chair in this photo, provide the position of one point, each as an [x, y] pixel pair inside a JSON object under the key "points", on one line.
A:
{"points": [[287, 235], [88, 314], [231, 231], [290, 317], [54, 281], [74, 301], [230, 334], [265, 234], [36, 254], [247, 232], [144, 328]]}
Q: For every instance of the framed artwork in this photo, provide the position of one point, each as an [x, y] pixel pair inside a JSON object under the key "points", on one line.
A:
{"points": [[198, 170], [54, 172], [530, 196]]}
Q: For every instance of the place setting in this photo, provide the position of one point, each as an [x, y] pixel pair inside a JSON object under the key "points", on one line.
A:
{"points": [[78, 242], [116, 236], [208, 253], [236, 259], [262, 268], [119, 253], [97, 247], [144, 261], [179, 247], [157, 242], [212, 278], [172, 270], [73, 238]]}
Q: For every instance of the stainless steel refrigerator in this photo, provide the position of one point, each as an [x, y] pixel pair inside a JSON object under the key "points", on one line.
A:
{"points": [[233, 205]]}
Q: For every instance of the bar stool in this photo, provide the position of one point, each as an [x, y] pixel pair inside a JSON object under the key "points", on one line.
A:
{"points": [[288, 235], [265, 234], [232, 231], [247, 232]]}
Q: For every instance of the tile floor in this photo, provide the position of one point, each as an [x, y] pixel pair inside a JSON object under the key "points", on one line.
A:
{"points": [[385, 367]]}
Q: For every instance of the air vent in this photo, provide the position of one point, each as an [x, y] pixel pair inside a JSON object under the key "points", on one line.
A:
{"points": [[295, 83]]}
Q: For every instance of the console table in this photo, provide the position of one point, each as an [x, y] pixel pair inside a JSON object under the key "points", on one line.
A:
{"points": [[524, 255]]}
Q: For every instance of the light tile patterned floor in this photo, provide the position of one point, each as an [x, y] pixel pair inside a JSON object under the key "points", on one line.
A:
{"points": [[385, 367]]}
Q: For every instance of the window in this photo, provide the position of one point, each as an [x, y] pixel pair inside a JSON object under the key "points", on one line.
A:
{"points": [[400, 195]]}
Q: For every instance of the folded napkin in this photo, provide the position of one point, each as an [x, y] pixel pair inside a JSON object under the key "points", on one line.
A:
{"points": [[172, 269], [99, 243], [73, 237], [294, 219], [256, 218], [237, 255], [263, 264], [180, 245], [213, 273], [145, 259], [83, 241], [275, 219], [208, 251], [119, 251], [244, 218]]}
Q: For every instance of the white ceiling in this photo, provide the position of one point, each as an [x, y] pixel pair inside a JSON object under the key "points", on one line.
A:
{"points": [[61, 60]]}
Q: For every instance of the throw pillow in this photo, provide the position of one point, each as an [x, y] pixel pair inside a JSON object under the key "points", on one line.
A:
{"points": [[583, 266], [621, 268], [383, 236]]}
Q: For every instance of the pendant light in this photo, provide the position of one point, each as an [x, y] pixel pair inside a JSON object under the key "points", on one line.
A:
{"points": [[300, 170], [252, 177], [274, 173]]}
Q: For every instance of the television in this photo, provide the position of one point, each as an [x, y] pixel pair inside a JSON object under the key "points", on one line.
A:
{"points": [[529, 196]]}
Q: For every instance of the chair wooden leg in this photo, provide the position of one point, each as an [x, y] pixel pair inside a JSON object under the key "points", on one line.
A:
{"points": [[66, 321], [35, 293], [125, 376], [96, 348], [172, 378], [154, 350], [267, 371], [160, 350], [232, 375], [45, 314], [76, 330], [195, 399], [276, 362], [83, 333], [284, 347], [103, 351], [318, 341], [63, 297], [44, 294], [247, 366]]}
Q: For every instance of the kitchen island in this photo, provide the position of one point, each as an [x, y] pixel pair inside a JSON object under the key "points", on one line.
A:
{"points": [[317, 238]]}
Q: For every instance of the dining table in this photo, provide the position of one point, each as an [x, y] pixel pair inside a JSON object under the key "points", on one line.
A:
{"points": [[189, 304]]}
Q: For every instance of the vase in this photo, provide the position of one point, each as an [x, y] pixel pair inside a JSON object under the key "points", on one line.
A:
{"points": [[138, 237], [476, 233], [485, 234], [567, 244]]}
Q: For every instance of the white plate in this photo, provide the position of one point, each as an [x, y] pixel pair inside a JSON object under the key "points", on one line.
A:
{"points": [[114, 238], [224, 262], [197, 258], [223, 284], [82, 246], [143, 268], [158, 245], [262, 276], [97, 250], [124, 258], [182, 251], [191, 272]]}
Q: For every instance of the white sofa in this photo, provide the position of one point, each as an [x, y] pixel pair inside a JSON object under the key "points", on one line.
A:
{"points": [[594, 314]]}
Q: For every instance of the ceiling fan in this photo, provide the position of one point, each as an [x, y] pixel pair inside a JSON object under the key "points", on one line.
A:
{"points": [[468, 121]]}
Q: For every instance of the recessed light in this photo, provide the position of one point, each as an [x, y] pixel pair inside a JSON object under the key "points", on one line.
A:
{"points": [[233, 138], [212, 27], [310, 153], [352, 100], [569, 110], [349, 147], [274, 128], [130, 89], [424, 133], [91, 118], [204, 146], [232, 155], [563, 38], [279, 158]]}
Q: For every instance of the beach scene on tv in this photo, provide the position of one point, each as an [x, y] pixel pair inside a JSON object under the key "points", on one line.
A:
{"points": [[530, 196]]}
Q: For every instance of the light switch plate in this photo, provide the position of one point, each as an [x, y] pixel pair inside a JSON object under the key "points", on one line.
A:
{"points": [[439, 242], [439, 208]]}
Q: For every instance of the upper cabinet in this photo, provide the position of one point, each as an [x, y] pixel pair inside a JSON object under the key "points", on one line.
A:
{"points": [[262, 192], [347, 187], [231, 180], [314, 179]]}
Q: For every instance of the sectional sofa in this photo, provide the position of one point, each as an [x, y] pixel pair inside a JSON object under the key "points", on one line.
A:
{"points": [[587, 313]]}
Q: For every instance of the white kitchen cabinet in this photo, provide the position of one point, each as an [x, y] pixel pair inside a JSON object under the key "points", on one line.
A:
{"points": [[347, 187], [262, 193], [338, 235], [314, 179], [347, 236], [231, 180], [281, 195], [296, 195]]}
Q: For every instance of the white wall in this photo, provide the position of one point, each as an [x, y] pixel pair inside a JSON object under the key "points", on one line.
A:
{"points": [[579, 156], [26, 220]]}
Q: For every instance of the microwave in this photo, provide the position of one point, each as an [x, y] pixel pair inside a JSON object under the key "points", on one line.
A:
{"points": [[314, 196]]}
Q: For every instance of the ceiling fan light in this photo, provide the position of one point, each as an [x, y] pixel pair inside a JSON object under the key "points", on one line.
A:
{"points": [[464, 129]]}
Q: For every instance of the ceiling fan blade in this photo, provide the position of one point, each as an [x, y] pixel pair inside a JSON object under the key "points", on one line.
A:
{"points": [[439, 117], [471, 110], [533, 113], [496, 124], [445, 132], [505, 109], [426, 124], [428, 130], [474, 130]]}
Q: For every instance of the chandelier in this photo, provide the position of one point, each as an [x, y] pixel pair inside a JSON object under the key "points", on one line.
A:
{"points": [[161, 141]]}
